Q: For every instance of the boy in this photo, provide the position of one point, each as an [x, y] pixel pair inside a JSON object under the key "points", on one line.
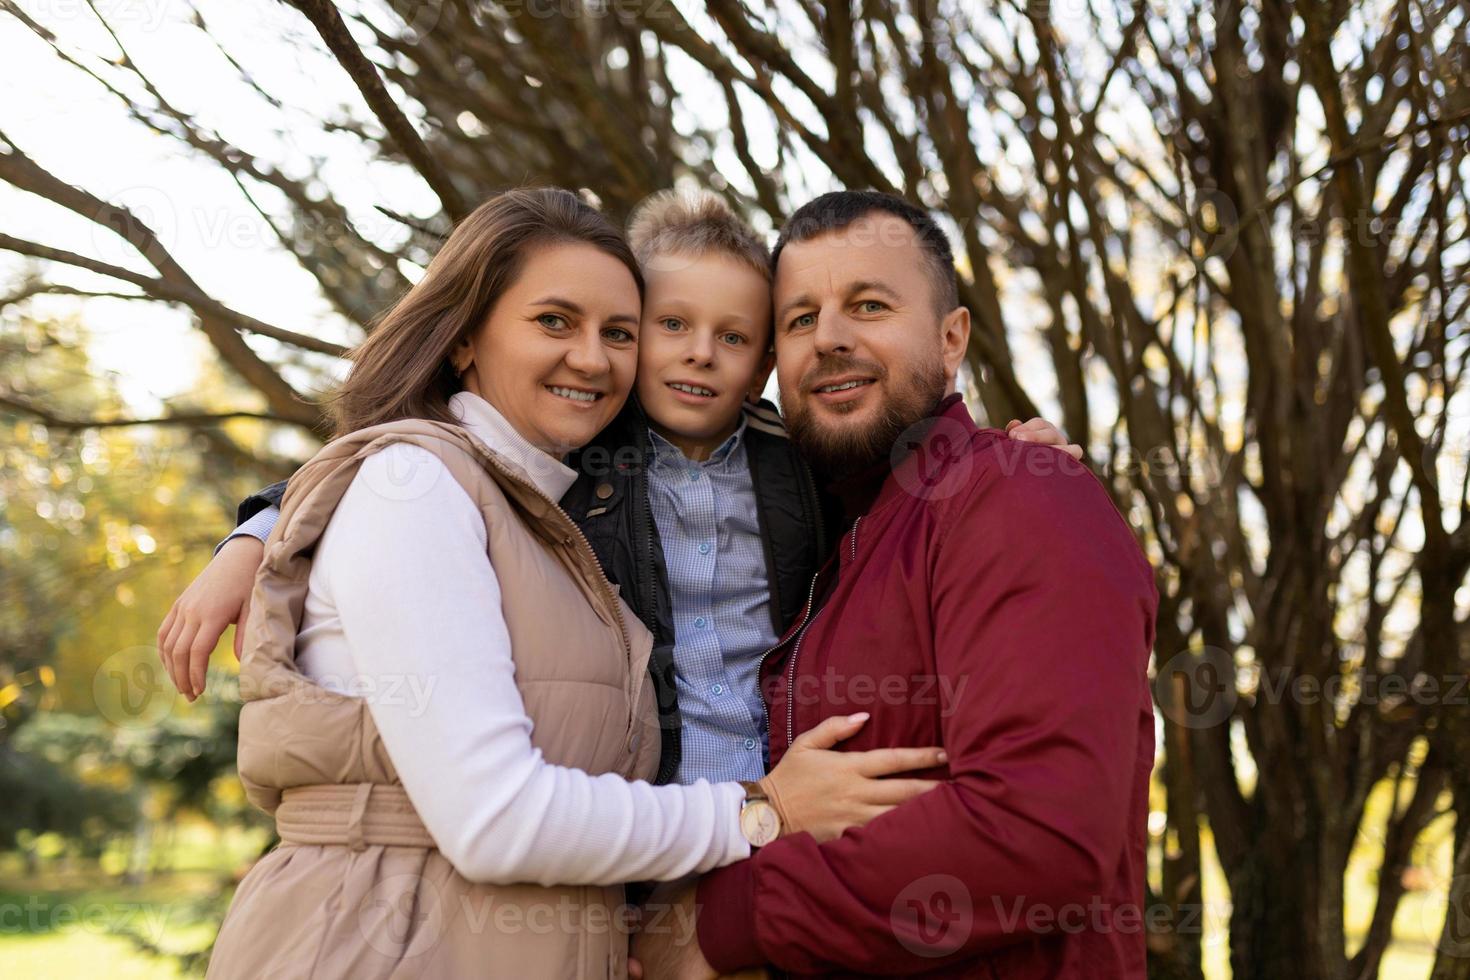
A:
{"points": [[697, 505]]}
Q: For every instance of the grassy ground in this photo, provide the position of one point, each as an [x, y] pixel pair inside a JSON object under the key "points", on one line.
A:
{"points": [[83, 923]]}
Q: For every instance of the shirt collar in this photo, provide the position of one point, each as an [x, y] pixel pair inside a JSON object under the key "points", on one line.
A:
{"points": [[667, 454], [547, 473]]}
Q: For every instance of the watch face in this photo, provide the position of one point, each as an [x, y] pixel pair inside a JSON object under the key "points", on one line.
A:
{"points": [[759, 823]]}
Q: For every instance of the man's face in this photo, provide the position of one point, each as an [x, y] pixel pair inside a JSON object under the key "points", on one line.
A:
{"points": [[862, 353]]}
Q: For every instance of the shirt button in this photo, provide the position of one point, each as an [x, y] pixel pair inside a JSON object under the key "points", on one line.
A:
{"points": [[694, 474], [704, 548], [750, 743], [717, 689], [699, 623]]}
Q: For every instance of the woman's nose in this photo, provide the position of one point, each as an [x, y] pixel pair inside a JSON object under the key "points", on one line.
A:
{"points": [[587, 356]]}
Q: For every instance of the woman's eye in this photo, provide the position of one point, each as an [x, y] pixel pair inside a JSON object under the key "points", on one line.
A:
{"points": [[552, 321], [618, 335]]}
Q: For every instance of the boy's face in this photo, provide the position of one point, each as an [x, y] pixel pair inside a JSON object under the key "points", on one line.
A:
{"points": [[702, 346]]}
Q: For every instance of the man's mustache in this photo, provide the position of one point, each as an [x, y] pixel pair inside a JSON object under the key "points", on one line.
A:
{"points": [[835, 366]]}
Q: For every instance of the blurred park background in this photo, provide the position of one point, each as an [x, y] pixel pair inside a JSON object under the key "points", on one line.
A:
{"points": [[1223, 243]]}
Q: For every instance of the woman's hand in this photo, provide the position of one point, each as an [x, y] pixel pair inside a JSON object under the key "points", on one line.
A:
{"points": [[824, 792], [1044, 433], [218, 597]]}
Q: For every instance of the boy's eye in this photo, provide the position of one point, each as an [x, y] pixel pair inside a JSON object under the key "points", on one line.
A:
{"points": [[803, 321], [671, 323], [552, 321], [733, 339]]}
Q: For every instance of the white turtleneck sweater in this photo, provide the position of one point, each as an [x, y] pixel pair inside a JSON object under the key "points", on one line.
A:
{"points": [[404, 609]]}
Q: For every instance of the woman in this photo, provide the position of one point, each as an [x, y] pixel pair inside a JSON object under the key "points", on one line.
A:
{"points": [[447, 707]]}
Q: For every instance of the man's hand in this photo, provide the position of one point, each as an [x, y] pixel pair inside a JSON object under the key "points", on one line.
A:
{"points": [[667, 945], [1043, 432], [218, 597]]}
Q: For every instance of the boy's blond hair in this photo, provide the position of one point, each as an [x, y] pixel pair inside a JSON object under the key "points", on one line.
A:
{"points": [[695, 223]]}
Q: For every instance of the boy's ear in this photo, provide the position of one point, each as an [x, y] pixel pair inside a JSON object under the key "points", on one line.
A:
{"points": [[762, 375]]}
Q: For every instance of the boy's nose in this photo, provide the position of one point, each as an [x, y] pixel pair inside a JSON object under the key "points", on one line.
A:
{"points": [[701, 350]]}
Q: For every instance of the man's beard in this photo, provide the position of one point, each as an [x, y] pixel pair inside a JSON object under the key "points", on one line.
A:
{"points": [[838, 450]]}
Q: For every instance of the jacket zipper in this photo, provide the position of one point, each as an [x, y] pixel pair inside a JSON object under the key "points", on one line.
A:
{"points": [[807, 619], [603, 580], [819, 521]]}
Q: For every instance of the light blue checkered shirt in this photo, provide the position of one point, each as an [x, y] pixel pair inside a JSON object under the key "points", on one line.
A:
{"points": [[721, 594]]}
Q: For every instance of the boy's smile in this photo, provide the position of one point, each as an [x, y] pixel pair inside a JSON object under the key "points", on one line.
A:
{"points": [[702, 346]]}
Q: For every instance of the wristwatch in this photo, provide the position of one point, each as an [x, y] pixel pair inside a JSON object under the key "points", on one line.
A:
{"points": [[759, 820]]}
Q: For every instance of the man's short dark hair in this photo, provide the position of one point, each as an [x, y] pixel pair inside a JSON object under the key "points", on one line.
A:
{"points": [[837, 210]]}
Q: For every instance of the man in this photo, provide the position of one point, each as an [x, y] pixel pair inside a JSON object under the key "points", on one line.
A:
{"points": [[986, 597]]}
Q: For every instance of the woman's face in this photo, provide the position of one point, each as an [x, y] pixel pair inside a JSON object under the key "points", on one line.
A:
{"points": [[558, 351]]}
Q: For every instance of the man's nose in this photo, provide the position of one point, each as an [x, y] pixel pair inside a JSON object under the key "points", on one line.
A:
{"points": [[834, 333]]}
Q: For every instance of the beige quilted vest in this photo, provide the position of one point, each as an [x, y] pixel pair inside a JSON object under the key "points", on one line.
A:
{"points": [[357, 888]]}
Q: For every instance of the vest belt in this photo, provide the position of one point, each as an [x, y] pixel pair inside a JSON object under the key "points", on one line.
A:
{"points": [[356, 815]]}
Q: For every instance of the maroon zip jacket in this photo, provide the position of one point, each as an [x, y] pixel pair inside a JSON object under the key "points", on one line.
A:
{"points": [[990, 599]]}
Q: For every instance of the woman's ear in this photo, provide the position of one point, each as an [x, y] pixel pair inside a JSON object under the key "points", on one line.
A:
{"points": [[463, 355]]}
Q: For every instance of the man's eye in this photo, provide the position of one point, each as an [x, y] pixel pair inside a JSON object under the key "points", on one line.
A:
{"points": [[805, 320], [552, 321], [872, 306]]}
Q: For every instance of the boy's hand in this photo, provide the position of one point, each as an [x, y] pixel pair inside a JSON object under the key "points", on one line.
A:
{"points": [[1043, 432], [218, 597]]}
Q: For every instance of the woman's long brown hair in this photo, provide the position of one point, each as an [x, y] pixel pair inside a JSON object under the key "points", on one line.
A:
{"points": [[402, 369]]}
